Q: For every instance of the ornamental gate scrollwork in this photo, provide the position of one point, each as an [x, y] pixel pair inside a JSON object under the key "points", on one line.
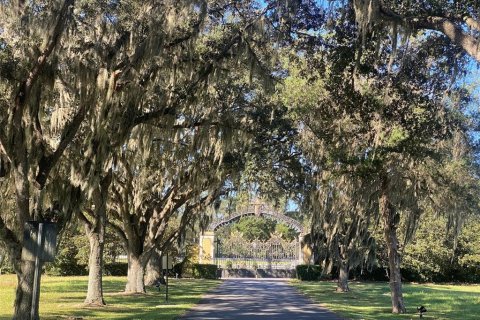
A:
{"points": [[275, 249]]}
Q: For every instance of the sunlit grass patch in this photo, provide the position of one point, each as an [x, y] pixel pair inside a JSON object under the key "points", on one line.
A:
{"points": [[62, 297], [371, 300]]}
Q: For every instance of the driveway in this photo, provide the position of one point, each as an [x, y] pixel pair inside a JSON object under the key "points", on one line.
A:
{"points": [[257, 299]]}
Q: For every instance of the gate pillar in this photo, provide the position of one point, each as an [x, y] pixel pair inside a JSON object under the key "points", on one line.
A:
{"points": [[300, 249], [305, 254], [206, 252]]}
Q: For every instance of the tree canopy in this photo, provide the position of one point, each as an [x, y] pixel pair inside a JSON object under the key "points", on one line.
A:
{"points": [[141, 117]]}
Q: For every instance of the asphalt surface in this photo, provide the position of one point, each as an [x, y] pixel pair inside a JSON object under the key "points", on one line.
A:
{"points": [[257, 299]]}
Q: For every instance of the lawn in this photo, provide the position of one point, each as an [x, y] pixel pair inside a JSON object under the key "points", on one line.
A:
{"points": [[62, 297], [371, 300]]}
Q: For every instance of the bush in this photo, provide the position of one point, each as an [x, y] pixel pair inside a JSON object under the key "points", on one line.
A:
{"points": [[178, 269], [375, 273], [5, 266], [307, 272], [6, 269], [116, 269], [65, 269], [432, 257], [191, 258], [229, 264], [205, 271]]}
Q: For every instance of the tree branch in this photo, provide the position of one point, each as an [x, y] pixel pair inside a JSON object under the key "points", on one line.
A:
{"points": [[119, 232], [83, 218], [445, 25], [47, 162], [204, 72], [470, 44], [27, 85]]}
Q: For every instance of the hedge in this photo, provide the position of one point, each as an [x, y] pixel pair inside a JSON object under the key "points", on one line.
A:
{"points": [[7, 269], [65, 269], [116, 269], [205, 271], [307, 272]]}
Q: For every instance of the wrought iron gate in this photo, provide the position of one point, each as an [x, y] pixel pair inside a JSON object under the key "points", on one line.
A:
{"points": [[275, 253]]}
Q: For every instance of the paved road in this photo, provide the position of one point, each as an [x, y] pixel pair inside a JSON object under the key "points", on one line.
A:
{"points": [[257, 299]]}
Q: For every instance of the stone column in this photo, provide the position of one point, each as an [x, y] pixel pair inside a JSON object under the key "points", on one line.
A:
{"points": [[207, 247], [300, 249], [306, 254]]}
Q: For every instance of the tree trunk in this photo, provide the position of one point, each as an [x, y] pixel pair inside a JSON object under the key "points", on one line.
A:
{"points": [[154, 268], [96, 235], [23, 298], [390, 233], [95, 269], [136, 272], [342, 285], [25, 270]]}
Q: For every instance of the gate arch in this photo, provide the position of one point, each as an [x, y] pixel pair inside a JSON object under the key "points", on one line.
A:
{"points": [[259, 210]]}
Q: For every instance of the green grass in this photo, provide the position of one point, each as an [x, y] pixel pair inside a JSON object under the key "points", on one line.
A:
{"points": [[371, 300], [62, 297]]}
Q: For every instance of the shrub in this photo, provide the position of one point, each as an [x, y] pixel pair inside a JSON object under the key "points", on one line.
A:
{"points": [[65, 263], [229, 264], [374, 273], [65, 269], [191, 258], [307, 272], [7, 269], [5, 265], [116, 269], [178, 269], [205, 271]]}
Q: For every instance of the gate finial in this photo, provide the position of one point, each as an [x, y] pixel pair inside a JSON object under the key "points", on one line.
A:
{"points": [[257, 205]]}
